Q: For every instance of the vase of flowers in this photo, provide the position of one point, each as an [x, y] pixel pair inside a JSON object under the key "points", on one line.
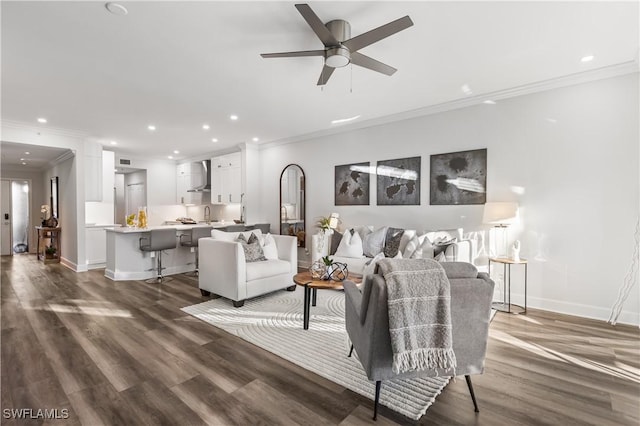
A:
{"points": [[44, 210]]}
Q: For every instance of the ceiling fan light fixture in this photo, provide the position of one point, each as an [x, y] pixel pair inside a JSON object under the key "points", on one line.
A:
{"points": [[338, 57]]}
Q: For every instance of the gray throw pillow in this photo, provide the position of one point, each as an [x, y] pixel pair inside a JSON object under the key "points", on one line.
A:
{"points": [[373, 243], [392, 241], [252, 250]]}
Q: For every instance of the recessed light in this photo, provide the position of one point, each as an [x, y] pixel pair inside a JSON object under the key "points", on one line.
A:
{"points": [[151, 127], [214, 140], [466, 89], [22, 159], [27, 152], [24, 164], [345, 120], [233, 117], [489, 102], [255, 139], [176, 151], [170, 157], [205, 127], [114, 143], [587, 58], [116, 8], [42, 120]]}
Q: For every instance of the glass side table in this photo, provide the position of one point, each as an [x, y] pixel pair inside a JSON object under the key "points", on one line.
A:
{"points": [[506, 305]]}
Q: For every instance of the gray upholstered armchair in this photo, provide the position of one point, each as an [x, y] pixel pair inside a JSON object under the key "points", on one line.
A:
{"points": [[367, 322]]}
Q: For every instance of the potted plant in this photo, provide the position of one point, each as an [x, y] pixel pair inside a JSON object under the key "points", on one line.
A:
{"points": [[44, 209], [50, 252]]}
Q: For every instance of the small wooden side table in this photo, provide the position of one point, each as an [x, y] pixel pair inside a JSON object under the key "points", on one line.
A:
{"points": [[506, 305], [52, 236], [311, 287]]}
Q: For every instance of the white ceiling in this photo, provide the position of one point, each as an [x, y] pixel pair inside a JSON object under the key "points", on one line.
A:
{"points": [[178, 65], [34, 157]]}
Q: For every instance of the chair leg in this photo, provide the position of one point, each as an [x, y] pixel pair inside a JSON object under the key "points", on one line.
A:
{"points": [[238, 303], [375, 404], [350, 352], [473, 395], [292, 287], [205, 293]]}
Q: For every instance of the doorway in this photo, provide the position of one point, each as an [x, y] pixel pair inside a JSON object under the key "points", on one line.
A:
{"points": [[15, 220]]}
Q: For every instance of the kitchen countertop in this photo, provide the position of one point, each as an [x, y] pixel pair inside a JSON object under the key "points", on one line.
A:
{"points": [[126, 230]]}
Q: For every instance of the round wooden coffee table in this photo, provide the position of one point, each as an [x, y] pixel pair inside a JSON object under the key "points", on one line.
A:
{"points": [[311, 287]]}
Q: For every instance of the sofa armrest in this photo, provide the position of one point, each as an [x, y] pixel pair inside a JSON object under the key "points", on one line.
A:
{"points": [[353, 295], [287, 249], [222, 269], [460, 251]]}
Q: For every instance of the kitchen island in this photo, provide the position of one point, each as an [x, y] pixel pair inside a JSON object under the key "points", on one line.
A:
{"points": [[125, 260]]}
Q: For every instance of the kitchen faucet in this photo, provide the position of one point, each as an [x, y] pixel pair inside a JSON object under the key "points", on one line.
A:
{"points": [[207, 214]]}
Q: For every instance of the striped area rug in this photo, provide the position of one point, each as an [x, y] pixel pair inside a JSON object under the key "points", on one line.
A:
{"points": [[274, 322]]}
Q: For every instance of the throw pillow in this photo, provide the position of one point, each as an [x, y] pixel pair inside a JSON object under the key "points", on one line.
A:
{"points": [[252, 239], [350, 245], [373, 242], [412, 246], [252, 251], [335, 241], [392, 242], [370, 266], [424, 250], [269, 247]]}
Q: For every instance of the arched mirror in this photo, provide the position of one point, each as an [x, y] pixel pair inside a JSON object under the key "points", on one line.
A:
{"points": [[292, 203]]}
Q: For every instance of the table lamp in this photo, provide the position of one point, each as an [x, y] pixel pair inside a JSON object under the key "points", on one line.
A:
{"points": [[500, 215]]}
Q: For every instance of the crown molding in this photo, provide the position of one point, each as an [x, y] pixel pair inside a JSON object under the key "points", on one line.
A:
{"points": [[62, 158], [540, 86], [18, 125]]}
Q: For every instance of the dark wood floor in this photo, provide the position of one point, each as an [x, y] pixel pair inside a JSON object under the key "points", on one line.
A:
{"points": [[122, 353]]}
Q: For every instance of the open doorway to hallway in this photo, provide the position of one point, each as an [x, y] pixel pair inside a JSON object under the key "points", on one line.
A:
{"points": [[15, 206]]}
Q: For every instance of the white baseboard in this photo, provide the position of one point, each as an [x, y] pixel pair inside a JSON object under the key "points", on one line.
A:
{"points": [[91, 266], [73, 266], [577, 309]]}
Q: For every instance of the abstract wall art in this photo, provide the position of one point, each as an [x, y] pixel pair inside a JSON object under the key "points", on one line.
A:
{"points": [[399, 182], [352, 184], [459, 178]]}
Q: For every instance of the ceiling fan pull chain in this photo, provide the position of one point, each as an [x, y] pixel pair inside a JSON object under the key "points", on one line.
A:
{"points": [[351, 84]]}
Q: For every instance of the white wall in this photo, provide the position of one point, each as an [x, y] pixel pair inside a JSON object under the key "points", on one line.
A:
{"points": [[67, 208], [573, 150]]}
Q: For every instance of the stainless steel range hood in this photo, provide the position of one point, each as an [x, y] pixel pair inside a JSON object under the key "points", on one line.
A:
{"points": [[206, 172]]}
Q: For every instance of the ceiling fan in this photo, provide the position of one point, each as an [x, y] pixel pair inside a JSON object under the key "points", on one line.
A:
{"points": [[339, 48]]}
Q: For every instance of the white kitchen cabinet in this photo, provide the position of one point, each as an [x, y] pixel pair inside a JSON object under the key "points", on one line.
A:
{"points": [[96, 247], [226, 179], [92, 171], [189, 176]]}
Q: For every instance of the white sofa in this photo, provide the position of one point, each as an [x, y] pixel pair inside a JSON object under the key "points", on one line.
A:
{"points": [[225, 272], [463, 250]]}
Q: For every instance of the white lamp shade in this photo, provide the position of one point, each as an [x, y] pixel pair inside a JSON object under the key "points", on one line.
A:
{"points": [[333, 220], [500, 213]]}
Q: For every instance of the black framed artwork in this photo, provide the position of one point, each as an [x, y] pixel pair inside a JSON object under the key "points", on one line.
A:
{"points": [[54, 197], [459, 178], [352, 182], [398, 182]]}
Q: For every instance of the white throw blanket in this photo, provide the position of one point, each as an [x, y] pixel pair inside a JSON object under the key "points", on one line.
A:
{"points": [[419, 303]]}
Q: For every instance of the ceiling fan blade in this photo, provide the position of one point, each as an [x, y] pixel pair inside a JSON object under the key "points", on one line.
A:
{"points": [[363, 40], [293, 54], [370, 63], [324, 75], [316, 25]]}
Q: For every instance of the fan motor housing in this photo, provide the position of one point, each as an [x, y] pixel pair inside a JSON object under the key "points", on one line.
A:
{"points": [[340, 29]]}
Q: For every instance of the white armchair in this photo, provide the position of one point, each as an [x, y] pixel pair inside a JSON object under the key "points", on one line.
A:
{"points": [[225, 272]]}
